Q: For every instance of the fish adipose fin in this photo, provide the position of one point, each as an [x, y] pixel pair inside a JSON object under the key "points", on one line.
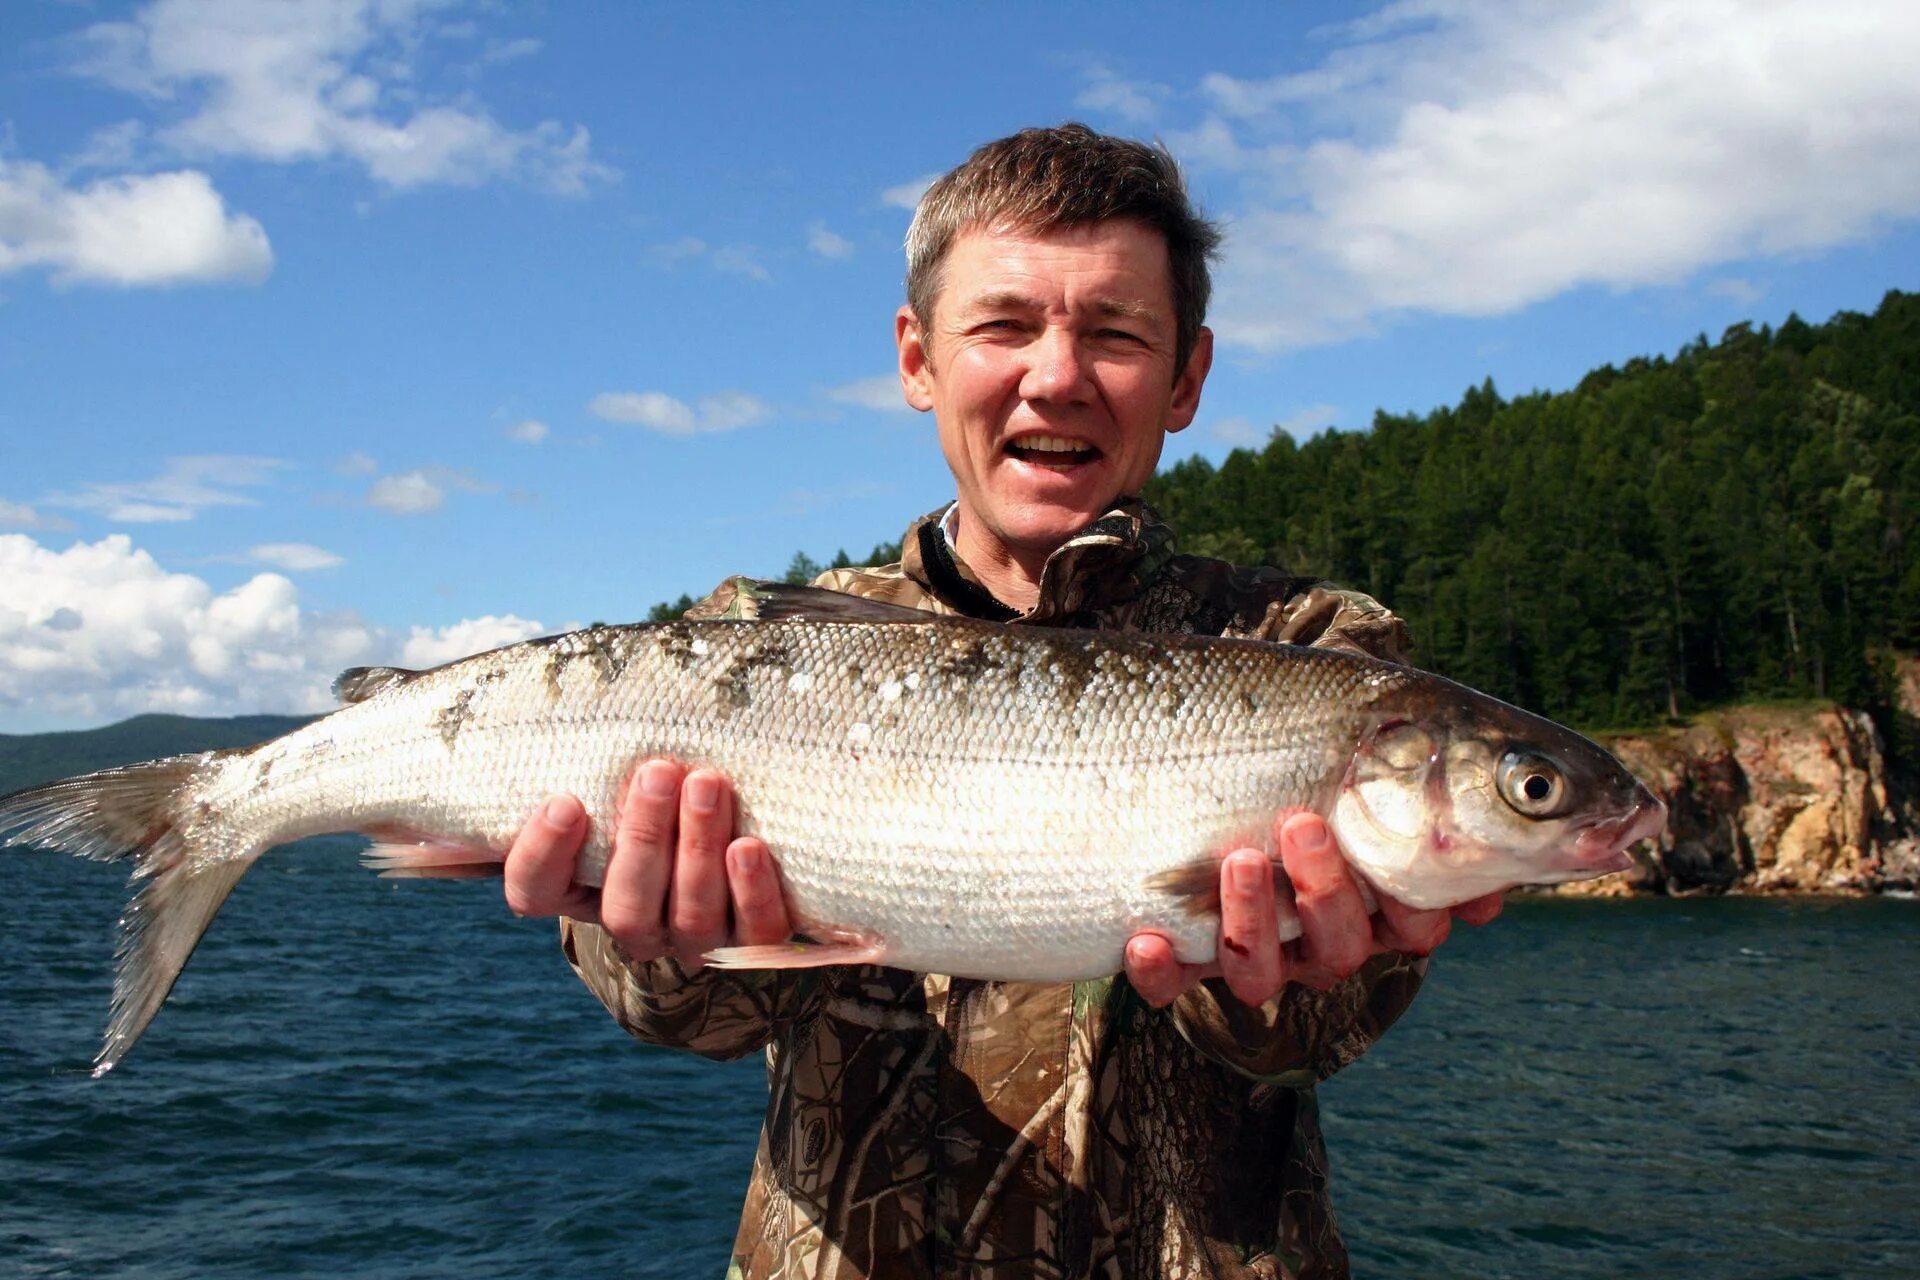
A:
{"points": [[185, 874], [777, 601], [401, 853]]}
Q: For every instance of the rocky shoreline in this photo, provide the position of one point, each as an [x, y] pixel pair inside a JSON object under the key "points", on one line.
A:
{"points": [[1776, 800]]}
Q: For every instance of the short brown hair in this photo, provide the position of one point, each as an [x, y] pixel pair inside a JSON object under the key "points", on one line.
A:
{"points": [[1041, 180]]}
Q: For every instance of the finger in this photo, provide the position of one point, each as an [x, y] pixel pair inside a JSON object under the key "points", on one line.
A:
{"points": [[697, 908], [1153, 970], [1405, 928], [759, 904], [1249, 927], [633, 894], [1335, 932], [538, 871], [1480, 910]]}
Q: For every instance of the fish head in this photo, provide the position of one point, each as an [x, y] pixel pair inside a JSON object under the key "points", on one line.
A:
{"points": [[1452, 795]]}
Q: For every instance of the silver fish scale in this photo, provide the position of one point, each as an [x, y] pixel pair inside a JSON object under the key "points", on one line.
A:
{"points": [[987, 800]]}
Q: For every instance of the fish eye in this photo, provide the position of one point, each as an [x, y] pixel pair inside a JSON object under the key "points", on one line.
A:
{"points": [[1532, 784]]}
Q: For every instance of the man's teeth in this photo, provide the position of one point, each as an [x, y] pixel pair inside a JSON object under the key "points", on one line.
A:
{"points": [[1051, 444]]}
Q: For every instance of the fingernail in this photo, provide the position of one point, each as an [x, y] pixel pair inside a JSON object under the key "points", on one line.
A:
{"points": [[744, 859], [657, 780], [560, 812], [1249, 874], [1312, 838], [702, 792]]}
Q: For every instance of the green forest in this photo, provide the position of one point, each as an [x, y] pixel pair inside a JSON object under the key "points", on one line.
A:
{"points": [[1734, 523]]}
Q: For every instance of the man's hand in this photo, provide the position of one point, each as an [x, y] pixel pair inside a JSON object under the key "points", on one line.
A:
{"points": [[1337, 935], [677, 882]]}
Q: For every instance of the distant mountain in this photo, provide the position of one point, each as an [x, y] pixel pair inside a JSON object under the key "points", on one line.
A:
{"points": [[28, 758]]}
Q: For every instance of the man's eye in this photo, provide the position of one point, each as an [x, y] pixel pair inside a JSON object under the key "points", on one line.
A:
{"points": [[1118, 335]]}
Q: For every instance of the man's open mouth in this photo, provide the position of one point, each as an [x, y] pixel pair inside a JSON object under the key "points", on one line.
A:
{"points": [[1052, 451]]}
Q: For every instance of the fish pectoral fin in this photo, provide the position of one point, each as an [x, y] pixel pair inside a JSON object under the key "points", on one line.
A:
{"points": [[401, 853], [842, 947], [1196, 884]]}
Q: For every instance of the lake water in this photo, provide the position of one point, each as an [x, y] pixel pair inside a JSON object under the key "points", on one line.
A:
{"points": [[374, 1079]]}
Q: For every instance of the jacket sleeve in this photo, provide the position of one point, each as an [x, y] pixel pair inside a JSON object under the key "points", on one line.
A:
{"points": [[1301, 1035], [721, 1014], [715, 1013]]}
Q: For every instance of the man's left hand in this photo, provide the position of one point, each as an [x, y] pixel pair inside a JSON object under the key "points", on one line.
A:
{"points": [[1337, 935]]}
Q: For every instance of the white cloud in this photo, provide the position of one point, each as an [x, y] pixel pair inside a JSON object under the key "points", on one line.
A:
{"points": [[428, 647], [148, 229], [739, 260], [674, 252], [907, 194], [880, 393], [1741, 291], [410, 493], [114, 147], [18, 515], [295, 557], [1239, 432], [100, 631], [185, 487], [1302, 423], [1470, 157], [826, 243], [1136, 101], [357, 464], [658, 411], [322, 79], [733, 259], [528, 431]]}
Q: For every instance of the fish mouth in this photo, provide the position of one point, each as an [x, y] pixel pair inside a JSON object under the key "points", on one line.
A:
{"points": [[1052, 451], [1603, 846]]}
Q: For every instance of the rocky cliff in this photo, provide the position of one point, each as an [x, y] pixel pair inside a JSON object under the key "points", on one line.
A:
{"points": [[1777, 799]]}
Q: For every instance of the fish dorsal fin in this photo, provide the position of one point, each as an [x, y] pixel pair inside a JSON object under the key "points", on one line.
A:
{"points": [[357, 684], [776, 601]]}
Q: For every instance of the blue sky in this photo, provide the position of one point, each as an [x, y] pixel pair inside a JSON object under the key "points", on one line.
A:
{"points": [[342, 331]]}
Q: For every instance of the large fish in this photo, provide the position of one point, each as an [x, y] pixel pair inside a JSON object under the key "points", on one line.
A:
{"points": [[941, 795]]}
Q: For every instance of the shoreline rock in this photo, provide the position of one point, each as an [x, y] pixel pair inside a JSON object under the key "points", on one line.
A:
{"points": [[1772, 800]]}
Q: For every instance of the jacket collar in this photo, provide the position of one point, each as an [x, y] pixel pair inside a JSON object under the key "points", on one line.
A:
{"points": [[1104, 565]]}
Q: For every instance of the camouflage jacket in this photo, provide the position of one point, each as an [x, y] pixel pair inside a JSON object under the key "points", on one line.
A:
{"points": [[926, 1126]]}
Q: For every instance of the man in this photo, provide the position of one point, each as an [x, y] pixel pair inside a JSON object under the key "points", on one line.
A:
{"points": [[920, 1125]]}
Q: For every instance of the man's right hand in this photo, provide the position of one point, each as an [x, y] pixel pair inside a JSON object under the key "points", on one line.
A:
{"points": [[677, 883]]}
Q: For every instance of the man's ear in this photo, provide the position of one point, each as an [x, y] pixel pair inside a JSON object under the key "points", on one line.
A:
{"points": [[916, 363], [1186, 388]]}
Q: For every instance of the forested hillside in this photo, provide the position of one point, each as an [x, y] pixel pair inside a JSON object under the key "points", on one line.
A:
{"points": [[1737, 522], [26, 759]]}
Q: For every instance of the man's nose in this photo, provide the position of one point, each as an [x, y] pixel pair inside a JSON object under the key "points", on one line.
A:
{"points": [[1057, 369]]}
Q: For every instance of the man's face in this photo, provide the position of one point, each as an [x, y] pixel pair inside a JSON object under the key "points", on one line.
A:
{"points": [[1050, 373]]}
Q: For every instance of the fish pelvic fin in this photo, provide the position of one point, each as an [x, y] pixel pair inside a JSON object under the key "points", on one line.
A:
{"points": [[184, 862], [799, 953], [403, 853]]}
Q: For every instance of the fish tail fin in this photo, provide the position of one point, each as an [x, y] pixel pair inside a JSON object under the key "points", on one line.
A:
{"points": [[185, 871]]}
